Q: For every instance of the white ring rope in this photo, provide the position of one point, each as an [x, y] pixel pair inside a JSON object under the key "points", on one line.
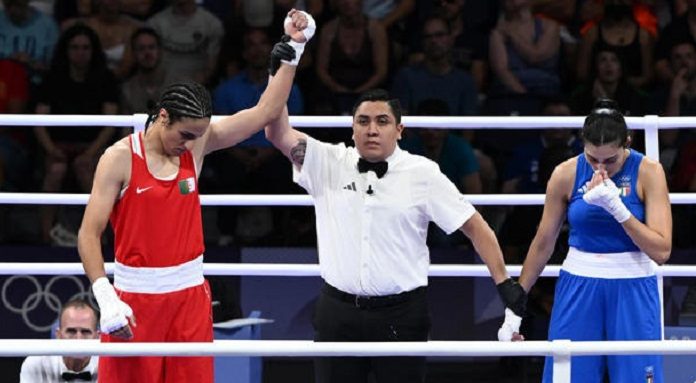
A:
{"points": [[299, 348], [289, 199], [437, 122], [304, 269]]}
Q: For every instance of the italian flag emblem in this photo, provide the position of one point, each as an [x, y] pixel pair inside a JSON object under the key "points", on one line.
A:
{"points": [[187, 186], [625, 190]]}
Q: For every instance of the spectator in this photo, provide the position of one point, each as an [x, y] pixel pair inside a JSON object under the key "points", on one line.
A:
{"points": [[390, 12], [114, 30], [590, 13], [524, 58], [78, 320], [619, 30], [678, 99], [678, 146], [191, 39], [78, 83], [681, 28], [393, 15], [608, 80], [470, 24], [140, 92], [352, 56], [436, 77], [28, 36]]}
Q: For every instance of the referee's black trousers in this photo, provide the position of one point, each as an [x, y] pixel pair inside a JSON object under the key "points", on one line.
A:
{"points": [[339, 317]]}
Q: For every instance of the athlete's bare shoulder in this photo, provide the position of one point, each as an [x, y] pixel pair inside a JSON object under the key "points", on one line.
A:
{"points": [[122, 144], [562, 179], [116, 161], [565, 171]]}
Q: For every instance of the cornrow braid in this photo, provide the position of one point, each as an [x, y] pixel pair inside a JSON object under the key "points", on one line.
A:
{"points": [[184, 99]]}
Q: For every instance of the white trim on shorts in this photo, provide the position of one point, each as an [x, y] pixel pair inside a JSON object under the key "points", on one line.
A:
{"points": [[158, 280], [631, 264]]}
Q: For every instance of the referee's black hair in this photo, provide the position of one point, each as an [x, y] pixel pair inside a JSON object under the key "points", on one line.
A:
{"points": [[380, 95], [605, 125], [184, 99]]}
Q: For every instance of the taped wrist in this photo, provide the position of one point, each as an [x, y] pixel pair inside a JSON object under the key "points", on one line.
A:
{"points": [[618, 210], [113, 310], [510, 326], [299, 49]]}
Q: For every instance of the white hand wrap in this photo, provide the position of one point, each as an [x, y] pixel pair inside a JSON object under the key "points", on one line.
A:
{"points": [[114, 312], [607, 196], [308, 32], [510, 326]]}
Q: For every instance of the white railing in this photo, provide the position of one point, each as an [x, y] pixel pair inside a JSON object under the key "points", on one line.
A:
{"points": [[651, 124], [560, 350], [304, 269], [288, 199]]}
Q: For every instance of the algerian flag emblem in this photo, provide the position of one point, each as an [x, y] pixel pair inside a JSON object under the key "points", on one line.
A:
{"points": [[187, 186]]}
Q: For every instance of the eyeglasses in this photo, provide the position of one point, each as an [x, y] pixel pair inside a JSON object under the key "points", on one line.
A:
{"points": [[439, 2]]}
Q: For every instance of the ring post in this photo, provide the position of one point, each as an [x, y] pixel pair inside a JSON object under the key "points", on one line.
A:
{"points": [[561, 360]]}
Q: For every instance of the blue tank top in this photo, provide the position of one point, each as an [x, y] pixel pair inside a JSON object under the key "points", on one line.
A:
{"points": [[593, 229]]}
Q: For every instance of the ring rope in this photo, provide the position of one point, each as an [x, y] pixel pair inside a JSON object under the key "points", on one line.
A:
{"points": [[435, 122], [288, 199], [304, 269], [299, 348]]}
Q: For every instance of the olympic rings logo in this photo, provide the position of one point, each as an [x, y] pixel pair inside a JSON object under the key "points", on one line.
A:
{"points": [[41, 295]]}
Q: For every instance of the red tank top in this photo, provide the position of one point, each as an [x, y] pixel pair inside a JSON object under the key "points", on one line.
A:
{"points": [[157, 223]]}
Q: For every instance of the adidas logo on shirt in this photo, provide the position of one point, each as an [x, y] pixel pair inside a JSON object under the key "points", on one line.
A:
{"points": [[350, 186]]}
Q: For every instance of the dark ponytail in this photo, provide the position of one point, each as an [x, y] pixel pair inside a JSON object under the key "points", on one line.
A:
{"points": [[605, 125]]}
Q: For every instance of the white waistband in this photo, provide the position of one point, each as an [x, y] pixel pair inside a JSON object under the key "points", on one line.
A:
{"points": [[156, 280], [632, 264]]}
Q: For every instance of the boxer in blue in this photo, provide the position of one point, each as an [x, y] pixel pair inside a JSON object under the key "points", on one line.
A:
{"points": [[617, 205]]}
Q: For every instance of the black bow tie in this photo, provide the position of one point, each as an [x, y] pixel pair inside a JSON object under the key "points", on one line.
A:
{"points": [[72, 376], [380, 168]]}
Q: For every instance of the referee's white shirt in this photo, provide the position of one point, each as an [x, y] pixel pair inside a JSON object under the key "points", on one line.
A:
{"points": [[49, 369], [375, 244]]}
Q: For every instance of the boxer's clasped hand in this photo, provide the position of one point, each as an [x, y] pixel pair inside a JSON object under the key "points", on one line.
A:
{"points": [[510, 330], [300, 26], [606, 195]]}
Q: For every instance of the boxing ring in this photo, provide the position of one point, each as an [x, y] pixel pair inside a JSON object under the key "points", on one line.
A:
{"points": [[560, 350]]}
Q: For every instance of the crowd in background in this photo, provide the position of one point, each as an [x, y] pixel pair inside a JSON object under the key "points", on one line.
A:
{"points": [[442, 57]]}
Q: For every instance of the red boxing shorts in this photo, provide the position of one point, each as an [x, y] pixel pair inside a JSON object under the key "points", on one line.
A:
{"points": [[180, 316]]}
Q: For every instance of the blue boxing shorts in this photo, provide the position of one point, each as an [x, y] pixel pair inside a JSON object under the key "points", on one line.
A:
{"points": [[596, 309]]}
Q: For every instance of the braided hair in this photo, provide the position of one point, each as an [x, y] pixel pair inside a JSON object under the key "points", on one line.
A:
{"points": [[605, 125], [184, 99]]}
